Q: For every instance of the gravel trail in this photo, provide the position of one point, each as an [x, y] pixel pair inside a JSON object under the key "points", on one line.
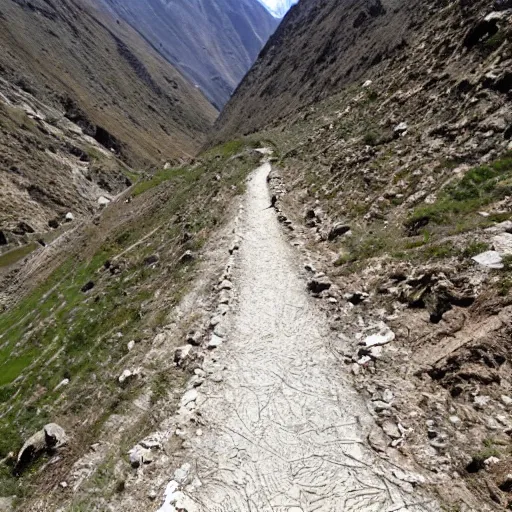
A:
{"points": [[285, 431]]}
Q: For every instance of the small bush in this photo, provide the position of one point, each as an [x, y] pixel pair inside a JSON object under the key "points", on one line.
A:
{"points": [[371, 139]]}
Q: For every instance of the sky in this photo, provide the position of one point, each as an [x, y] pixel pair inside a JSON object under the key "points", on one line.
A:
{"points": [[278, 7]]}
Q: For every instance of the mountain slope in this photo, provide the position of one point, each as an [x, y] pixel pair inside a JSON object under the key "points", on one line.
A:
{"points": [[212, 42], [317, 49], [393, 133], [81, 97]]}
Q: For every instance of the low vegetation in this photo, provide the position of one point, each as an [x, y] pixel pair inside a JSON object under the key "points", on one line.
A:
{"points": [[62, 331]]}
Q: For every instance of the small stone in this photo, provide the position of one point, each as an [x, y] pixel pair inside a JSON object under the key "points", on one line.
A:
{"points": [[215, 341], [225, 285], [152, 495], [356, 369], [506, 400], [379, 339], [319, 284], [62, 484], [391, 429], [69, 217], [401, 128], [480, 401], [491, 460], [62, 383], [189, 397], [379, 406], [181, 474], [151, 260], [338, 230], [181, 354], [388, 396], [454, 420], [187, 257], [130, 345]]}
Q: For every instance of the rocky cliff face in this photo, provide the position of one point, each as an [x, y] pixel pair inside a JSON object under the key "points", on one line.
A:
{"points": [[212, 42]]}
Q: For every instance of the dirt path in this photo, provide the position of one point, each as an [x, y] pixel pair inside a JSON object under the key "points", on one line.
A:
{"points": [[284, 429]]}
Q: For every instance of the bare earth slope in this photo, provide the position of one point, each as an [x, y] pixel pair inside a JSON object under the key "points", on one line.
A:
{"points": [[212, 42]]}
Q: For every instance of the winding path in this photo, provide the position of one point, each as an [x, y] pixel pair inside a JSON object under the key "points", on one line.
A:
{"points": [[285, 430]]}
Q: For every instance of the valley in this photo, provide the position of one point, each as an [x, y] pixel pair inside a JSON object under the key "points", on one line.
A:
{"points": [[301, 304]]}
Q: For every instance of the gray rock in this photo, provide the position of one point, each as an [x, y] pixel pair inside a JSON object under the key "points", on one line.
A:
{"points": [[69, 217], [378, 440], [506, 400], [489, 259], [391, 429], [380, 406], [6, 504], [215, 341], [50, 437], [189, 397], [400, 129], [139, 455], [503, 244]]}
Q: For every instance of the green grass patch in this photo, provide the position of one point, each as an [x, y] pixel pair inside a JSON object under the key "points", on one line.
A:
{"points": [[15, 255], [480, 186]]}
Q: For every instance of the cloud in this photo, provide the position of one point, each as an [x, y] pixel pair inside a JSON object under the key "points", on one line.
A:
{"points": [[278, 8]]}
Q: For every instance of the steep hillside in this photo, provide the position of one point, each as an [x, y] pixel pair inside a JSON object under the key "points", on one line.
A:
{"points": [[318, 48], [394, 176], [80, 97], [212, 42]]}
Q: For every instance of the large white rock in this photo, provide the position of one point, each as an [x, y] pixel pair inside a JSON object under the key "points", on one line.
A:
{"points": [[503, 243], [489, 259]]}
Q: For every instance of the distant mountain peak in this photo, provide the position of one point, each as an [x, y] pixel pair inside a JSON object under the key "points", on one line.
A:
{"points": [[278, 8]]}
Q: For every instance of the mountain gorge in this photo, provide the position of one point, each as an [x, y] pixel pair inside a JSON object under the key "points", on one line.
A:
{"points": [[212, 42], [302, 305]]}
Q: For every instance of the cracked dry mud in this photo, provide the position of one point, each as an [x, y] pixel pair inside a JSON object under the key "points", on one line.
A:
{"points": [[285, 430]]}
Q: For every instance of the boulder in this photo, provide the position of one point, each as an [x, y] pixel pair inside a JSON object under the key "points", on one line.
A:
{"points": [[49, 438], [338, 230]]}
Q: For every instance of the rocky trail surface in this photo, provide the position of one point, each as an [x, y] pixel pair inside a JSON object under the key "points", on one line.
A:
{"points": [[282, 427]]}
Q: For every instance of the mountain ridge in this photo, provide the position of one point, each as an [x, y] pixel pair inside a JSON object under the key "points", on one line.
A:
{"points": [[212, 42]]}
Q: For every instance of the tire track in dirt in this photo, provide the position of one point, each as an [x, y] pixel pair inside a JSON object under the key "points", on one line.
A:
{"points": [[285, 432]]}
